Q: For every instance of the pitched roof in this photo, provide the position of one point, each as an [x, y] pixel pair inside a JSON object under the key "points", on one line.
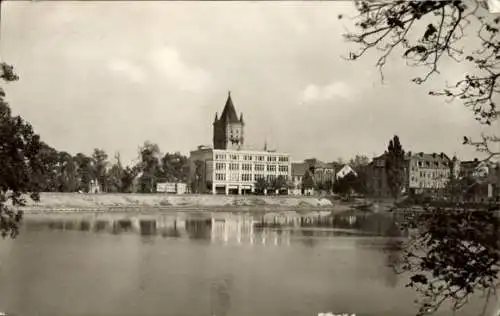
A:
{"points": [[229, 113]]}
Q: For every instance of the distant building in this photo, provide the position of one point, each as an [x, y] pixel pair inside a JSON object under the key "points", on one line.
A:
{"points": [[94, 187], [344, 171], [320, 172], [428, 173], [171, 187], [229, 167]]}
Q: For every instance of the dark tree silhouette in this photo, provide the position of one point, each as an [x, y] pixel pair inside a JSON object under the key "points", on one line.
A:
{"points": [[429, 32], [21, 168], [454, 251], [261, 184], [395, 167]]}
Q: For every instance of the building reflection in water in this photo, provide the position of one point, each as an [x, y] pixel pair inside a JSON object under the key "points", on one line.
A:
{"points": [[276, 228]]}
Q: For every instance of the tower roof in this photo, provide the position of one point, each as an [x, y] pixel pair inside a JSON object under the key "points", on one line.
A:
{"points": [[229, 113]]}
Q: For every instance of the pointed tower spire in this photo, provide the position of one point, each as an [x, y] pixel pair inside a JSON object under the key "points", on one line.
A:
{"points": [[216, 117], [229, 113], [265, 145]]}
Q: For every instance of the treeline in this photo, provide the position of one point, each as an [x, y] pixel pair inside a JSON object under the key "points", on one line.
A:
{"points": [[63, 172]]}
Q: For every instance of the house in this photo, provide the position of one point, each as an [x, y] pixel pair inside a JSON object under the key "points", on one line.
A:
{"points": [[322, 176], [424, 173], [344, 171]]}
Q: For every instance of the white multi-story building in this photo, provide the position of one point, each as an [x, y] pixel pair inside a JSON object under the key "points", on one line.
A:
{"points": [[229, 168]]}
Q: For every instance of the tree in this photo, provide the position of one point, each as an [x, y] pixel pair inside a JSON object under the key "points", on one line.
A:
{"points": [[20, 165], [115, 176], [307, 181], [455, 251], [278, 183], [429, 32], [100, 158], [197, 181], [67, 173], [395, 167], [175, 167], [127, 179], [345, 185], [149, 154], [359, 162], [85, 171], [261, 185]]}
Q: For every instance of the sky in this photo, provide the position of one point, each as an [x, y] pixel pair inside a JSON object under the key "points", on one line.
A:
{"points": [[114, 74]]}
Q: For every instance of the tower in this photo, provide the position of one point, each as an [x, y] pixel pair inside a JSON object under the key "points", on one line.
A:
{"points": [[228, 129]]}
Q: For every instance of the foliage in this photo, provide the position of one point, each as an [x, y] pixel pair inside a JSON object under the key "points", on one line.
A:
{"points": [[149, 154], [20, 166], [395, 167], [345, 185], [197, 181], [453, 254], [175, 167], [430, 32], [261, 184], [307, 181], [278, 183], [100, 159]]}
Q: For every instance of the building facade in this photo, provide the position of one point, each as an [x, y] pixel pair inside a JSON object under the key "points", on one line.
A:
{"points": [[230, 168], [322, 174], [427, 173]]}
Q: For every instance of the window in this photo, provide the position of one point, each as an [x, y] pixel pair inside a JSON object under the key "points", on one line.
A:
{"points": [[271, 158], [220, 166], [234, 157], [246, 177], [220, 157], [246, 167], [259, 167], [271, 177], [283, 159], [260, 158], [283, 168], [220, 177], [247, 157], [233, 166], [271, 167]]}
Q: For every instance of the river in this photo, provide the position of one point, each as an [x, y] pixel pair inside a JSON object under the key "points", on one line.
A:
{"points": [[280, 264]]}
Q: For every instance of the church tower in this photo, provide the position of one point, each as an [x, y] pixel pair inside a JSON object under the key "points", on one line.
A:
{"points": [[228, 129]]}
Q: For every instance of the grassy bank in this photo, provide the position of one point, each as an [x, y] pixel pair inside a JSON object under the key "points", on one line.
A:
{"points": [[76, 201]]}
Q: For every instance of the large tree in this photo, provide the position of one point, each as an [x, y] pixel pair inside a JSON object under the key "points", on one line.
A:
{"points": [[427, 33], [100, 158], [20, 164], [86, 172], [455, 252], [149, 154], [395, 167], [175, 167]]}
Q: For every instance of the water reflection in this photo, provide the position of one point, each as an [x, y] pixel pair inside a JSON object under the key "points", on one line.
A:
{"points": [[279, 229]]}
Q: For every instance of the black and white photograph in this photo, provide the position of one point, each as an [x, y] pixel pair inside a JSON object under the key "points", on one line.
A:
{"points": [[250, 158]]}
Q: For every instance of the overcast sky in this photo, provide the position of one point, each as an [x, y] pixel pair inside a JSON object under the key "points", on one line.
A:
{"points": [[114, 74]]}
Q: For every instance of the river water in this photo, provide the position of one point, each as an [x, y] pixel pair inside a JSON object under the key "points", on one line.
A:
{"points": [[188, 263]]}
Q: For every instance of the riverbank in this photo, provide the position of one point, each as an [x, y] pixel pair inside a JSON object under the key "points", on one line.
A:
{"points": [[134, 202]]}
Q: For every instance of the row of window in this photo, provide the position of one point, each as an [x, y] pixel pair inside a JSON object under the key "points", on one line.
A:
{"points": [[429, 164], [244, 177], [252, 158], [433, 174], [248, 167]]}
